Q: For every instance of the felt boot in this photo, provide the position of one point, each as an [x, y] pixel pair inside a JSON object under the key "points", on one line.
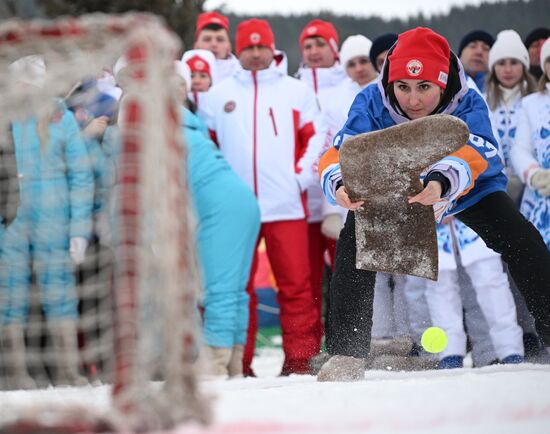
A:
{"points": [[12, 352], [65, 345]]}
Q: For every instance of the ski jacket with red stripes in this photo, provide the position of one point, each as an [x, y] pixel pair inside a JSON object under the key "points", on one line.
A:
{"points": [[323, 81], [264, 124]]}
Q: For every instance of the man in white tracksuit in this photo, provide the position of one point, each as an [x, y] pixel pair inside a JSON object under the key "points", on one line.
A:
{"points": [[263, 121], [322, 72]]}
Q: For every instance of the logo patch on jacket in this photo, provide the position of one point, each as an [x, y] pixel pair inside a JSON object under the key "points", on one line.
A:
{"points": [[414, 67], [229, 106]]}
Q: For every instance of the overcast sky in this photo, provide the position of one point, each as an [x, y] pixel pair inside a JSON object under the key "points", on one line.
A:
{"points": [[382, 8]]}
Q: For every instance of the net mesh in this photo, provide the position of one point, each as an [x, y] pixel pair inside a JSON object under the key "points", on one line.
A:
{"points": [[121, 310]]}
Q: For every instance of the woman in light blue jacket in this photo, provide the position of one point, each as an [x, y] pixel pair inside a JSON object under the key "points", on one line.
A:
{"points": [[228, 226]]}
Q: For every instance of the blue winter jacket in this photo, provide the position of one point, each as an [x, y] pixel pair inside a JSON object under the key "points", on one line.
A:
{"points": [[205, 161], [479, 165]]}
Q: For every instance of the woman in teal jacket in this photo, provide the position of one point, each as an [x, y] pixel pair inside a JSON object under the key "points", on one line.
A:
{"points": [[228, 225]]}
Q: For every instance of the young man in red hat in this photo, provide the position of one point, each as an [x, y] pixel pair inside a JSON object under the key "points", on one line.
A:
{"points": [[322, 72], [264, 123], [212, 34]]}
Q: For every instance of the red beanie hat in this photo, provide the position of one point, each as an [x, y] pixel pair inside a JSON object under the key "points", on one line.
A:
{"points": [[323, 29], [198, 64], [207, 18], [254, 32], [420, 54]]}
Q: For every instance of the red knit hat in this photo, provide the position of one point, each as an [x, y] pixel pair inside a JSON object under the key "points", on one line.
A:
{"points": [[198, 64], [207, 18], [254, 32], [420, 54], [323, 29]]}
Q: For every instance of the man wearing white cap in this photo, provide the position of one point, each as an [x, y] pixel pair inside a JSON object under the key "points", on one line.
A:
{"points": [[354, 56]]}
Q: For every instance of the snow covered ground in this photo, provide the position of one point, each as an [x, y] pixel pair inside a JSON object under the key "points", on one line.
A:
{"points": [[495, 399]]}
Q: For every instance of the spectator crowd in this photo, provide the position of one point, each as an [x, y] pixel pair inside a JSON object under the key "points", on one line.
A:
{"points": [[255, 135]]}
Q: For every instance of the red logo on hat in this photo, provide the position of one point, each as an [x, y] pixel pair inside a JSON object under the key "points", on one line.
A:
{"points": [[229, 106], [255, 38], [312, 30], [199, 64], [414, 67]]}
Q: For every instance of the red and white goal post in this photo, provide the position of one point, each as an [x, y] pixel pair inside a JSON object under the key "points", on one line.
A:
{"points": [[142, 317]]}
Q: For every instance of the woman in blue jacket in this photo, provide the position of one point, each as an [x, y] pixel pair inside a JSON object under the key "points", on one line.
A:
{"points": [[421, 77]]}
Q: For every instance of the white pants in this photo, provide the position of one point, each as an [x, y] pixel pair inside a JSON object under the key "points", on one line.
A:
{"points": [[483, 350], [389, 316], [417, 308], [495, 300]]}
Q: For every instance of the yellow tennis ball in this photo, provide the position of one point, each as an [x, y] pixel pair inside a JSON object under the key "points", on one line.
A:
{"points": [[434, 340]]}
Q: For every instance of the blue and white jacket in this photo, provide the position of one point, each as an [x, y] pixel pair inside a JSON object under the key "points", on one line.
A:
{"points": [[474, 171]]}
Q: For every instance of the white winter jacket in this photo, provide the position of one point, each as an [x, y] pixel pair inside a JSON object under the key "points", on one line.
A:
{"points": [[264, 124], [532, 146], [335, 115], [504, 119], [226, 67], [323, 81]]}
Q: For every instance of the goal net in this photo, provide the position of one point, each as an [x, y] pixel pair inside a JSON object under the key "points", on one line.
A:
{"points": [[98, 274]]}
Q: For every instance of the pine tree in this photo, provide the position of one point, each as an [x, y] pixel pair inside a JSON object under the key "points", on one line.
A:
{"points": [[180, 15]]}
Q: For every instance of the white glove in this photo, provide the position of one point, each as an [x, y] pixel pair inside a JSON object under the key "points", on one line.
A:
{"points": [[332, 225], [77, 249], [541, 181]]}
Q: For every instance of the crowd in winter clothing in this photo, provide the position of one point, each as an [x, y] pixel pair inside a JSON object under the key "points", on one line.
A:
{"points": [[262, 165]]}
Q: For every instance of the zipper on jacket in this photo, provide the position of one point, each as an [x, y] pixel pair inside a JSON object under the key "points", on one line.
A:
{"points": [[315, 87], [272, 115], [314, 76], [254, 133]]}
